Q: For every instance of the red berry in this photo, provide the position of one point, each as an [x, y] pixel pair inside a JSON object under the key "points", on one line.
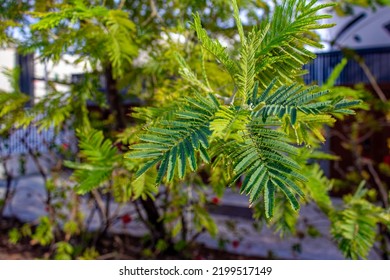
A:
{"points": [[119, 146], [126, 218], [215, 200], [386, 160], [235, 243]]}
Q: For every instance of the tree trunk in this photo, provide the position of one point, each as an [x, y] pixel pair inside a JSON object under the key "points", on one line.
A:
{"points": [[115, 102], [114, 99], [154, 219]]}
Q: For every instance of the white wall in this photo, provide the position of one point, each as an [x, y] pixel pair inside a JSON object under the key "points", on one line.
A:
{"points": [[7, 60], [62, 71]]}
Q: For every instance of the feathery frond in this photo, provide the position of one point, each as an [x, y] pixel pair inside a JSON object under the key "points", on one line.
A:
{"points": [[288, 100], [228, 121], [214, 47], [264, 161], [111, 30], [245, 79], [120, 43], [318, 186], [174, 142], [100, 158], [186, 72], [253, 129], [354, 227], [286, 40], [240, 29]]}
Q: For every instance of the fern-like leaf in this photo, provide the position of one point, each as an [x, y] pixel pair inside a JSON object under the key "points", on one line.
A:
{"points": [[290, 24], [288, 100], [99, 160], [214, 47], [228, 121], [354, 227], [174, 143], [120, 44], [186, 72], [264, 161]]}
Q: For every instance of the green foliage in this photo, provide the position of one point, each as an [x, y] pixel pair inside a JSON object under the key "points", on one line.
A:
{"points": [[318, 187], [172, 143], [12, 103], [64, 251], [238, 115], [285, 218], [275, 48], [144, 186], [43, 233], [340, 92], [89, 254], [346, 7], [56, 108], [101, 34], [71, 228], [229, 120], [120, 43], [214, 47], [202, 219], [14, 236], [288, 100], [256, 120], [99, 160], [354, 227], [262, 160], [335, 73]]}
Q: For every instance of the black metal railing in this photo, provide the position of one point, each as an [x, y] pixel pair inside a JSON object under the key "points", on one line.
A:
{"points": [[22, 141], [377, 60]]}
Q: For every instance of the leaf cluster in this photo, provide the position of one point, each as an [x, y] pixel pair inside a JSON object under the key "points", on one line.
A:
{"points": [[102, 35], [251, 128]]}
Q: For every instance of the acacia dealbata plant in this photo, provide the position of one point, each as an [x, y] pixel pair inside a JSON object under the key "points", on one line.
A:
{"points": [[218, 115], [262, 127], [258, 127]]}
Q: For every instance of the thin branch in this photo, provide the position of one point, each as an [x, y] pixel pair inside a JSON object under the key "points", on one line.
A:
{"points": [[121, 4], [153, 15], [365, 136], [142, 218], [225, 99], [99, 203], [90, 217], [232, 98], [366, 71], [196, 235], [339, 135], [381, 187], [153, 6], [372, 79], [337, 167]]}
